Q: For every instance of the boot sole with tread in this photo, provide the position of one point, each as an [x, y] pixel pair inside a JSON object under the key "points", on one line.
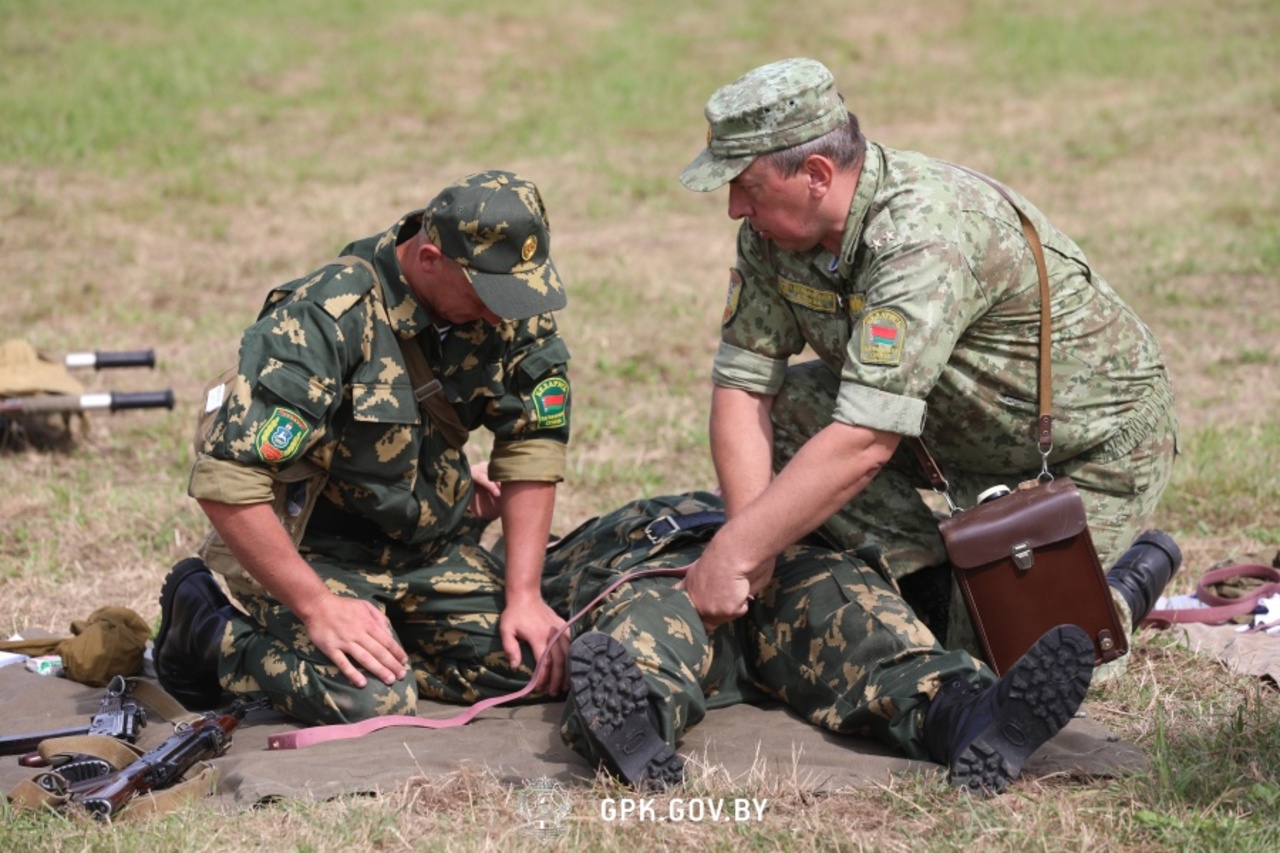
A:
{"points": [[1047, 685], [609, 692]]}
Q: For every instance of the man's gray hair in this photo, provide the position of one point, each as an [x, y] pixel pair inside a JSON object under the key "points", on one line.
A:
{"points": [[845, 146]]}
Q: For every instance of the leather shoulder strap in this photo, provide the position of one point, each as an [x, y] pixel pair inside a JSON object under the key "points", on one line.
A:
{"points": [[1044, 423], [1043, 427]]}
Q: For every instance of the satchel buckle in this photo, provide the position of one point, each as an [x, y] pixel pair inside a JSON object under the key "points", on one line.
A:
{"points": [[1023, 557]]}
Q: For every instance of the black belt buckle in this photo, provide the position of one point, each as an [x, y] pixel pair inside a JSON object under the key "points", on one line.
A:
{"points": [[661, 529]]}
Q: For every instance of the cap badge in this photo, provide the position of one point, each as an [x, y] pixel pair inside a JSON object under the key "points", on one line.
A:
{"points": [[530, 246]]}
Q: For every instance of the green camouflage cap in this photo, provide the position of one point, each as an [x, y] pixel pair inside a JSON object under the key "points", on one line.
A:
{"points": [[776, 106], [495, 226]]}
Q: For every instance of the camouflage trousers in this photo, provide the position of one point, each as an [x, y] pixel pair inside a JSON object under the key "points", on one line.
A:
{"points": [[1119, 495], [828, 636], [443, 604]]}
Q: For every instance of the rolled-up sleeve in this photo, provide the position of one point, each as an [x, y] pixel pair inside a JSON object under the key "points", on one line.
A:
{"points": [[747, 371], [229, 482], [858, 405], [538, 460], [529, 417]]}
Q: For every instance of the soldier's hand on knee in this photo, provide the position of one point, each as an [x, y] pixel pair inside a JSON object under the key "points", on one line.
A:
{"points": [[356, 635]]}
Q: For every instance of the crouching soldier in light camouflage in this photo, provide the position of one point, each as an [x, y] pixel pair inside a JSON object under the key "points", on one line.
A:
{"points": [[913, 283], [332, 469], [828, 636]]}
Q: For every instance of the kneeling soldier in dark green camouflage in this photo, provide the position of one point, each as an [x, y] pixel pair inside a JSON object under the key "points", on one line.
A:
{"points": [[828, 636], [333, 472]]}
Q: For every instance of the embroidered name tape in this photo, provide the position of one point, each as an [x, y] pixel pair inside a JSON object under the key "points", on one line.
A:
{"points": [[810, 297]]}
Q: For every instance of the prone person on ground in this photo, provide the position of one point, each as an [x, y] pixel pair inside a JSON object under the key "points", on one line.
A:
{"points": [[828, 635]]}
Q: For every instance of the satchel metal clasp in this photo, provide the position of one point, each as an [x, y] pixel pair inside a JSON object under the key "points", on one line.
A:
{"points": [[1022, 555]]}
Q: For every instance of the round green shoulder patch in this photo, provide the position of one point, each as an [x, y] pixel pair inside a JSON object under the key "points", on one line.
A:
{"points": [[731, 298], [282, 436]]}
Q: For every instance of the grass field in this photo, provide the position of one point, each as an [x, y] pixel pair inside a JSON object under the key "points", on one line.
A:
{"points": [[162, 164]]}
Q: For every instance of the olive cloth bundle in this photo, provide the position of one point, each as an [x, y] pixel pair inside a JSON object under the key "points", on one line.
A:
{"points": [[110, 642], [25, 372]]}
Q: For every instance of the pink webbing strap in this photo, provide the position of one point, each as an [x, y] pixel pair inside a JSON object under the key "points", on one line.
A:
{"points": [[319, 734], [1221, 609]]}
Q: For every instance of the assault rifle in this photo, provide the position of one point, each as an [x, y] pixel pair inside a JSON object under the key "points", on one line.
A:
{"points": [[119, 716], [105, 795]]}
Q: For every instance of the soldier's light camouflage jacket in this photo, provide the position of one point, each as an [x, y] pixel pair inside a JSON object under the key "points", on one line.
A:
{"points": [[322, 377], [931, 308]]}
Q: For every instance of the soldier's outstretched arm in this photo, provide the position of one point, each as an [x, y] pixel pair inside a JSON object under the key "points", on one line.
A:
{"points": [[741, 445], [526, 508], [829, 470]]}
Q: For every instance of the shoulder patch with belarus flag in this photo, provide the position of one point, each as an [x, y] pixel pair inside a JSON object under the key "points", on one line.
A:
{"points": [[550, 401], [282, 436], [731, 298], [883, 332]]}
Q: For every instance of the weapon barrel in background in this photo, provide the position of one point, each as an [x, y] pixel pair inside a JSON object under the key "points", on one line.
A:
{"points": [[113, 400], [119, 716], [21, 744], [104, 359]]}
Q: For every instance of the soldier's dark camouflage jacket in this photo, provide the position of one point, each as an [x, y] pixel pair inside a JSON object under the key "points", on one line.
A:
{"points": [[322, 377]]}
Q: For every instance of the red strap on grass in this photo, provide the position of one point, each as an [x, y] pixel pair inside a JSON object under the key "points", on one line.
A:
{"points": [[1221, 609]]}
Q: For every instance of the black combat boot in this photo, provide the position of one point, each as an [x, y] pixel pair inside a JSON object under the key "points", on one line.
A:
{"points": [[193, 615], [1142, 572], [986, 735], [609, 692]]}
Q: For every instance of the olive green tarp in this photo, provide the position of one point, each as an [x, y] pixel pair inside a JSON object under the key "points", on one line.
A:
{"points": [[520, 744]]}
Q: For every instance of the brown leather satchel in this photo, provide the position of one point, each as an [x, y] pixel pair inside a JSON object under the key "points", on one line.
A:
{"points": [[1024, 561]]}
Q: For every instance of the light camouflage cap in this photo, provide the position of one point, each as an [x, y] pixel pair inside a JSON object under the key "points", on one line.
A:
{"points": [[772, 107], [494, 225]]}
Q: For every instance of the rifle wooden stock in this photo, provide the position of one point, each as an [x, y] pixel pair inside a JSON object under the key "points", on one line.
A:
{"points": [[104, 796]]}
